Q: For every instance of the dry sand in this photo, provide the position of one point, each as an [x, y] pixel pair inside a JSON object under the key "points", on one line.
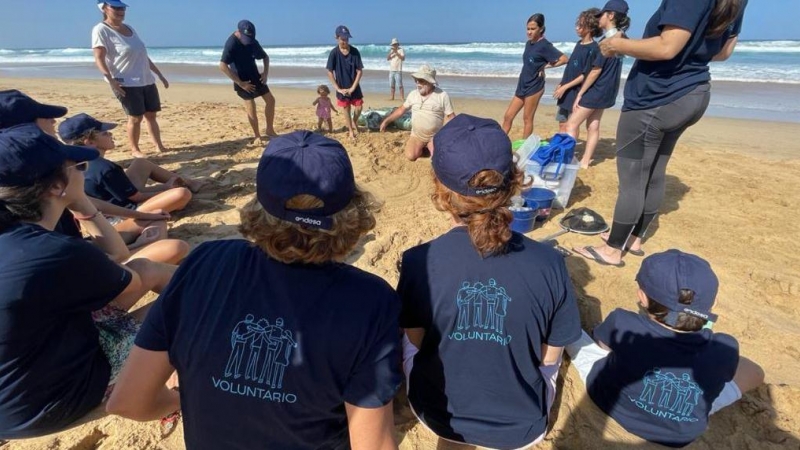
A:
{"points": [[732, 197]]}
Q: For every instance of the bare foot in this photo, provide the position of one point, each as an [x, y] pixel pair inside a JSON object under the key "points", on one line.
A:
{"points": [[149, 235], [138, 154], [162, 149], [353, 135], [271, 133], [585, 165], [635, 248]]}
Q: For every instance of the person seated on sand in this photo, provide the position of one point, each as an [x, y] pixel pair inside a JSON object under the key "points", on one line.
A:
{"points": [[17, 108], [661, 372], [128, 188], [430, 108], [299, 350], [56, 363], [486, 311]]}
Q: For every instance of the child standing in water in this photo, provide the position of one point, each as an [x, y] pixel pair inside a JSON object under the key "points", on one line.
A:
{"points": [[324, 107], [579, 65]]}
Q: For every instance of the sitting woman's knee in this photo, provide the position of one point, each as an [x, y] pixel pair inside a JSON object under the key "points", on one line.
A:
{"points": [[749, 375]]}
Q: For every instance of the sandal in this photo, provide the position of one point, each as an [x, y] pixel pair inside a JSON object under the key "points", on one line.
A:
{"points": [[638, 253], [168, 423], [596, 257]]}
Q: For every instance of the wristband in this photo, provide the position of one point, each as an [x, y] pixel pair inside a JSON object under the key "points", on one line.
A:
{"points": [[84, 218]]}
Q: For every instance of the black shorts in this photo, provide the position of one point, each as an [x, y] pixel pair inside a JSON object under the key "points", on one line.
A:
{"points": [[261, 89], [140, 100]]}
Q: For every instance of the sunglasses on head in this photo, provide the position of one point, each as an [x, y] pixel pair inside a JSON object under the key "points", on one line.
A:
{"points": [[81, 166]]}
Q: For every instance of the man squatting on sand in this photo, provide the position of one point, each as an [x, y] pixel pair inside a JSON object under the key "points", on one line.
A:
{"points": [[430, 108]]}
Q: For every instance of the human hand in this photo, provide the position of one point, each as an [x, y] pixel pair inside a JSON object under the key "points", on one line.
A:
{"points": [[154, 216], [384, 124], [608, 46], [164, 82], [264, 78], [116, 88], [576, 105], [559, 92], [247, 86]]}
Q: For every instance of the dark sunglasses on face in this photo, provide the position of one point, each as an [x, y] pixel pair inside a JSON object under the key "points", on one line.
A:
{"points": [[118, 8]]}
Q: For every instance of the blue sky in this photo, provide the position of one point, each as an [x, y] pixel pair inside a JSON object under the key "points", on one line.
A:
{"points": [[67, 23]]}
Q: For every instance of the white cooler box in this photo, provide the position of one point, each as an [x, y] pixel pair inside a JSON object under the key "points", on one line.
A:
{"points": [[561, 184]]}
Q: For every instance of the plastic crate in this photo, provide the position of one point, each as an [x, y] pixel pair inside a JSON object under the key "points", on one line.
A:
{"points": [[561, 183]]}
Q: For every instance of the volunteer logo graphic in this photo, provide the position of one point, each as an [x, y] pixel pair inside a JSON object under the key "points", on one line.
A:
{"points": [[482, 310], [668, 396], [265, 349]]}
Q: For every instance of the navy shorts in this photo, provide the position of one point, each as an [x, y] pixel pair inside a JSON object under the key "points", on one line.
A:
{"points": [[261, 89], [563, 114], [140, 100]]}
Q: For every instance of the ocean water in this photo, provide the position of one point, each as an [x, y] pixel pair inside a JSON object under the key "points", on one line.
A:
{"points": [[753, 61], [755, 66]]}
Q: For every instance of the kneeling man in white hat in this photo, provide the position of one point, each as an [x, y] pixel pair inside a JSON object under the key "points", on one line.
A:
{"points": [[430, 108]]}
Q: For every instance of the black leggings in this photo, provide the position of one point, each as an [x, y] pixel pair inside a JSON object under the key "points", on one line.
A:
{"points": [[645, 141]]}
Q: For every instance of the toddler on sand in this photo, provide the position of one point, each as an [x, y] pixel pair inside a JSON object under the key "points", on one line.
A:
{"points": [[324, 107]]}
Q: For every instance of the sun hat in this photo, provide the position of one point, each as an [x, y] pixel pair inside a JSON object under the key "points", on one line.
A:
{"points": [[343, 31], [466, 146], [247, 32], [17, 108], [114, 3], [303, 162], [619, 6], [663, 275], [27, 154], [74, 127], [426, 73], [395, 41]]}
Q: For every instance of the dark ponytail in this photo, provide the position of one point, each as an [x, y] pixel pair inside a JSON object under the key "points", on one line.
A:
{"points": [[724, 14], [24, 204], [539, 19], [621, 21]]}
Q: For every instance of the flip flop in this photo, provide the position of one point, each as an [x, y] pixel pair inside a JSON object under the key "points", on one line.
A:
{"points": [[596, 257], [638, 253]]}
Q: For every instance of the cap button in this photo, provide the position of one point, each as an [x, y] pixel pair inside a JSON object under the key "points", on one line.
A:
{"points": [[471, 127]]}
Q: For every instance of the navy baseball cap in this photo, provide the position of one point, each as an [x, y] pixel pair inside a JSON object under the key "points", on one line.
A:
{"points": [[620, 6], [663, 275], [247, 31], [17, 108], [75, 126], [27, 154], [303, 162], [343, 31], [113, 3], [466, 146]]}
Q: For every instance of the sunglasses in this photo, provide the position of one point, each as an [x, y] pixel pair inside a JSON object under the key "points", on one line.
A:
{"points": [[118, 8], [81, 166]]}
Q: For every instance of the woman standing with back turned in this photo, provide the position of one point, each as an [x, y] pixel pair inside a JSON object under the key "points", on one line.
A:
{"points": [[667, 91], [122, 58]]}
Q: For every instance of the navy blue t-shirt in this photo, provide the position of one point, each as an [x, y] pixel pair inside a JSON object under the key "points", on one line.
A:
{"points": [[657, 383], [580, 63], [657, 83], [344, 70], [268, 353], [67, 225], [242, 58], [52, 370], [476, 378], [107, 181], [534, 58], [603, 93]]}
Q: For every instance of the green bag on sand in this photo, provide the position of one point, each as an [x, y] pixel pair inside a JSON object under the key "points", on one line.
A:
{"points": [[372, 118]]}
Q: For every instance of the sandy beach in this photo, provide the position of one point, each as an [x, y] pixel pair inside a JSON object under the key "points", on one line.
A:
{"points": [[732, 197]]}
